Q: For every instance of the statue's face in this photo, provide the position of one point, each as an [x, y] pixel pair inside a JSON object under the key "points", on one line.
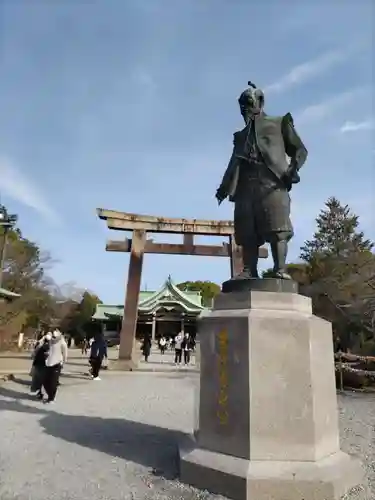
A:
{"points": [[251, 103]]}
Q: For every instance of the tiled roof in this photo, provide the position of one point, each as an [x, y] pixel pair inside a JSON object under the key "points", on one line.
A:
{"points": [[169, 296]]}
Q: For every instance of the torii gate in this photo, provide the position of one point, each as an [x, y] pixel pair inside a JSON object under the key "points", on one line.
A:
{"points": [[138, 245]]}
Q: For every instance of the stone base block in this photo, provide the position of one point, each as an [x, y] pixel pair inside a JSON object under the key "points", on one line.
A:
{"points": [[238, 284], [240, 479], [126, 365]]}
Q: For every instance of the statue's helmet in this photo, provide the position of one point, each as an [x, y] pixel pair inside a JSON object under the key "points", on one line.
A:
{"points": [[251, 101]]}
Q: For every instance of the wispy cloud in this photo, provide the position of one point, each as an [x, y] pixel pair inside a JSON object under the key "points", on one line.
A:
{"points": [[17, 186], [327, 107], [141, 76], [357, 126], [309, 70]]}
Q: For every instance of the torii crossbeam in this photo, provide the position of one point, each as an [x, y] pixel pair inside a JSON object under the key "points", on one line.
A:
{"points": [[138, 245]]}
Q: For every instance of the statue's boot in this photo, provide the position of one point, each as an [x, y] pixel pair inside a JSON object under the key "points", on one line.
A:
{"points": [[279, 252], [250, 255]]}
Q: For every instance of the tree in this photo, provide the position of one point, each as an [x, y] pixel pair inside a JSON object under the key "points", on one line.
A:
{"points": [[42, 304], [85, 312], [24, 273], [338, 251], [208, 290], [78, 316], [337, 234], [340, 264]]}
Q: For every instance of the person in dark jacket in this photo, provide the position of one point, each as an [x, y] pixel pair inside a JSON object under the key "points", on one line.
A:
{"points": [[39, 365], [146, 347], [186, 348], [98, 352]]}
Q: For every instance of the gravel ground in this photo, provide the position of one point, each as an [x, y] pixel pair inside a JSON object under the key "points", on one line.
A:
{"points": [[116, 439]]}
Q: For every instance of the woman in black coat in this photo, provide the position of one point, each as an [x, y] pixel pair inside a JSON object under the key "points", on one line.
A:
{"points": [[146, 347]]}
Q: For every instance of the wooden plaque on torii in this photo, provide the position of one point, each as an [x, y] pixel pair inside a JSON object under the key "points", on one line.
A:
{"points": [[138, 245]]}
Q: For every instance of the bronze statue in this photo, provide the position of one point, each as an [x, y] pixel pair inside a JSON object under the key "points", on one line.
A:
{"points": [[258, 180]]}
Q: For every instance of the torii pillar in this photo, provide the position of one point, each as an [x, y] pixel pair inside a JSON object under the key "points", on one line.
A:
{"points": [[127, 354]]}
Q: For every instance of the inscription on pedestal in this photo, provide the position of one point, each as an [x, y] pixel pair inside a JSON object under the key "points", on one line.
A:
{"points": [[224, 387], [222, 411]]}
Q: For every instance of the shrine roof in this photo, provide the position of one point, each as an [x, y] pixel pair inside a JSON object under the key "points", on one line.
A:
{"points": [[168, 296]]}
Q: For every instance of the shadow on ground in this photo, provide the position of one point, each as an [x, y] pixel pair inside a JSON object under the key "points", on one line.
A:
{"points": [[153, 447], [21, 381], [6, 392], [148, 445], [16, 401]]}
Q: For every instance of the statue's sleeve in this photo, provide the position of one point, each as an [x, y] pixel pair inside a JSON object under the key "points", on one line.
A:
{"points": [[294, 146], [228, 177]]}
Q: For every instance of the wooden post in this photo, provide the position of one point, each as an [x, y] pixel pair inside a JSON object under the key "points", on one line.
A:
{"points": [[129, 322], [183, 322], [189, 239], [153, 331], [235, 253], [341, 373]]}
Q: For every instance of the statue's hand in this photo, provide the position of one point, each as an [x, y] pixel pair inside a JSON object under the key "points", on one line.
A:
{"points": [[220, 196], [291, 177]]}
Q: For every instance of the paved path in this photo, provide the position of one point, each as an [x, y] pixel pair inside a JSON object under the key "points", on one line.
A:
{"points": [[116, 439]]}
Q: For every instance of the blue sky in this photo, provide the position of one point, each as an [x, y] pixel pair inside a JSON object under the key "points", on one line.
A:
{"points": [[131, 105]]}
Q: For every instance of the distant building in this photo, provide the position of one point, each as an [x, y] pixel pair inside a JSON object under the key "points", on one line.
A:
{"points": [[164, 312]]}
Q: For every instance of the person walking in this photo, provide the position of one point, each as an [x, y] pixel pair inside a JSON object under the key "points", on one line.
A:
{"points": [[178, 348], [186, 348], [146, 347], [98, 352], [39, 366], [162, 344], [57, 356], [84, 346]]}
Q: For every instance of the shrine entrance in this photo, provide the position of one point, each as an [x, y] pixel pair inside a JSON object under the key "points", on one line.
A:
{"points": [[138, 245]]}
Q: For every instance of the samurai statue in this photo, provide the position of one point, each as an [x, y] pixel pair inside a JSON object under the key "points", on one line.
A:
{"points": [[267, 156]]}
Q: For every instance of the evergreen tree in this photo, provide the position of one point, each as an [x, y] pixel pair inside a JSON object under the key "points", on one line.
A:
{"points": [[337, 234], [340, 266]]}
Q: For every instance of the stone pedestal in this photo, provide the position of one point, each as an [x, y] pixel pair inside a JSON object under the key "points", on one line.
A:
{"points": [[268, 418]]}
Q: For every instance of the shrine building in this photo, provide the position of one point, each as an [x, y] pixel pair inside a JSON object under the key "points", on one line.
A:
{"points": [[164, 312]]}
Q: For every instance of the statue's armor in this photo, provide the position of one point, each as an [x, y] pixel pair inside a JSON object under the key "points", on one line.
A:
{"points": [[264, 134], [262, 204], [251, 149]]}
